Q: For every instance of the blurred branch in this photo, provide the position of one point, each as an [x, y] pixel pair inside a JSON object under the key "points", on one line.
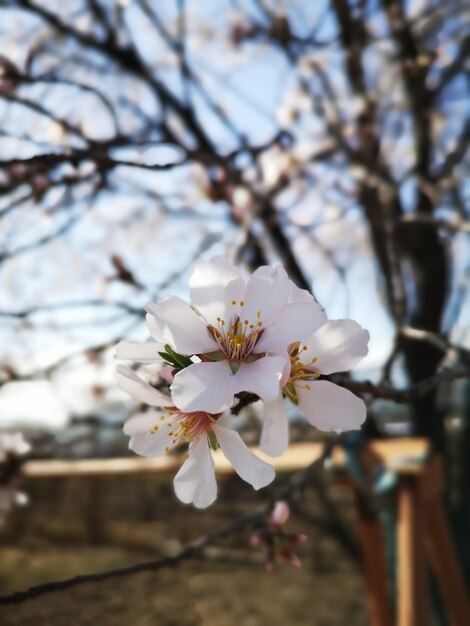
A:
{"points": [[453, 224], [404, 396], [194, 549], [25, 313]]}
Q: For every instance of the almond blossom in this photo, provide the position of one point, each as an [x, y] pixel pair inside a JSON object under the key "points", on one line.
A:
{"points": [[155, 432], [12, 445], [337, 346], [238, 329]]}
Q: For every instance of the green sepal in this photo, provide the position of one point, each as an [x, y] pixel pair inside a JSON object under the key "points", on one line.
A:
{"points": [[234, 366], [214, 444], [173, 358]]}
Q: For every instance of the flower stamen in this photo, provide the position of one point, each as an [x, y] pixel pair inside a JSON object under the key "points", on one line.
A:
{"points": [[239, 341]]}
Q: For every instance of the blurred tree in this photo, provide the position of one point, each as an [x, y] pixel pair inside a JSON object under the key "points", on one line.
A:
{"points": [[330, 135]]}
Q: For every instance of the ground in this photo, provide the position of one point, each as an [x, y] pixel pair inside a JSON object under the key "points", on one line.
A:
{"points": [[80, 525]]}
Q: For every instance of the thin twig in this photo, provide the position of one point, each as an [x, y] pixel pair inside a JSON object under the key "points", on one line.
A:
{"points": [[193, 549]]}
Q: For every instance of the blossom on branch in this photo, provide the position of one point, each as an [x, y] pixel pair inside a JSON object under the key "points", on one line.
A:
{"points": [[238, 329], [337, 346], [238, 337], [275, 540], [155, 432]]}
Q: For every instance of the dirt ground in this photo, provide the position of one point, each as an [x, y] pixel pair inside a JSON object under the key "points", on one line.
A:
{"points": [[77, 525]]}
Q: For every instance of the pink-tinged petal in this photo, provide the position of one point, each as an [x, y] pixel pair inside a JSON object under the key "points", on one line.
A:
{"points": [[261, 377], [287, 367], [141, 423], [203, 386], [195, 482], [275, 434], [140, 390], [330, 407], [167, 374], [153, 329], [149, 434], [214, 284], [299, 295], [296, 322], [267, 291], [338, 345], [139, 352], [181, 326], [280, 513], [247, 465]]}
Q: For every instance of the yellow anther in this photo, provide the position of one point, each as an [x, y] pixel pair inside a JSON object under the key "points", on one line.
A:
{"points": [[258, 314], [260, 323], [305, 348], [234, 302], [242, 303], [307, 386], [245, 322], [252, 325]]}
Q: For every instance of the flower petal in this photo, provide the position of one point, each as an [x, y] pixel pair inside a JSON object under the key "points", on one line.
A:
{"points": [[140, 352], [203, 386], [338, 345], [280, 513], [214, 284], [195, 482], [145, 438], [153, 329], [330, 407], [296, 322], [275, 434], [296, 294], [247, 465], [267, 291], [181, 326], [140, 390], [261, 377]]}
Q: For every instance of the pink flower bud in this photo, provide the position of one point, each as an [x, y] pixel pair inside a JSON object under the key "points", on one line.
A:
{"points": [[280, 513]]}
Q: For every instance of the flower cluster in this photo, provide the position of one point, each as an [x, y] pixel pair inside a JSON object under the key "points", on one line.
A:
{"points": [[263, 336]]}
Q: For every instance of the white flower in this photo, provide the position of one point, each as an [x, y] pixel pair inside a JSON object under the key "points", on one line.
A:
{"points": [[335, 347], [155, 432], [146, 352], [234, 327], [275, 163], [14, 444], [242, 202]]}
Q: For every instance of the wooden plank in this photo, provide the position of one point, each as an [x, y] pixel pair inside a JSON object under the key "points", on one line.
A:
{"points": [[374, 563], [413, 597], [400, 455], [444, 562]]}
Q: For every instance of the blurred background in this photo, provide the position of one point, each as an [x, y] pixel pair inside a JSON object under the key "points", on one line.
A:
{"points": [[138, 136]]}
